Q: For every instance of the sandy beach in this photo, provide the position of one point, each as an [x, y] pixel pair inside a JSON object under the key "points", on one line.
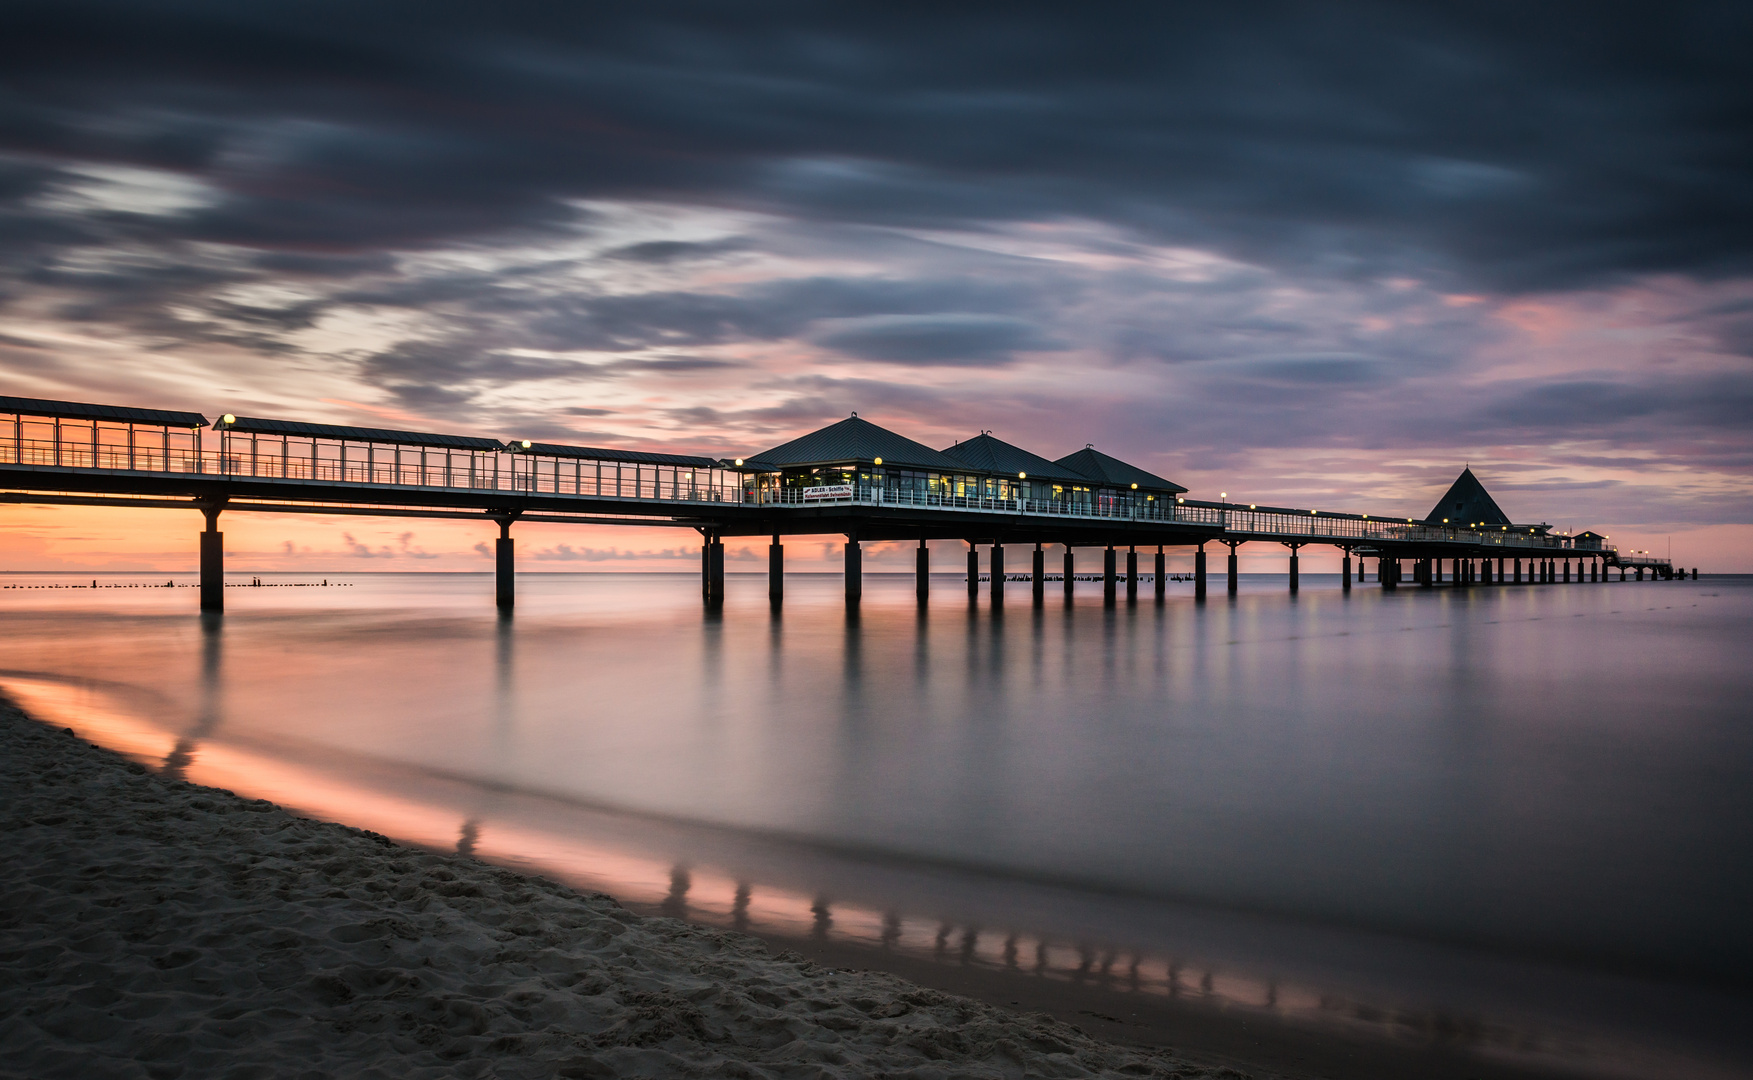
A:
{"points": [[154, 928]]}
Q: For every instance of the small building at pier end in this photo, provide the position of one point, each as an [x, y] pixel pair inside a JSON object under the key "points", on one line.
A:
{"points": [[1468, 505]]}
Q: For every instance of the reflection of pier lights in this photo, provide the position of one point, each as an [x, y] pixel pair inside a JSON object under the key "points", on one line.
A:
{"points": [[739, 910]]}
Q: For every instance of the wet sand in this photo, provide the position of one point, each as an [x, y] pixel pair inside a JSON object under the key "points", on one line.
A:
{"points": [[154, 928]]}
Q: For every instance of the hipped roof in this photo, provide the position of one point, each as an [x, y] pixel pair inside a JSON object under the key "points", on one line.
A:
{"points": [[1104, 469], [1467, 503], [84, 410], [989, 454], [853, 440]]}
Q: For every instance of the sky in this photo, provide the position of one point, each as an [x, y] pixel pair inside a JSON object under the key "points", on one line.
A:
{"points": [[1312, 255]]}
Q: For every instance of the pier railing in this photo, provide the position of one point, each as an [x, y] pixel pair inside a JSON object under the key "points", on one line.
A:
{"points": [[1294, 525]]}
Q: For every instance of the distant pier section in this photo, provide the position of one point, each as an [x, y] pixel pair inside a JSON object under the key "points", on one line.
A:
{"points": [[853, 478]]}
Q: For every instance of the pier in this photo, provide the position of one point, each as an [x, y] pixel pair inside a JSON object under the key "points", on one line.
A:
{"points": [[853, 478]]}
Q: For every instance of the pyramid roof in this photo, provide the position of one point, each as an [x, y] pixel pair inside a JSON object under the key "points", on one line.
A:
{"points": [[853, 440], [1103, 469], [1467, 503], [988, 454]]}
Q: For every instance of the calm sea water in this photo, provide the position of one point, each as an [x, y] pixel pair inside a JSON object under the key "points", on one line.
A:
{"points": [[1532, 805]]}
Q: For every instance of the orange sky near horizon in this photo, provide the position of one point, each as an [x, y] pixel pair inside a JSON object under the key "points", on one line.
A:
{"points": [[99, 539]]}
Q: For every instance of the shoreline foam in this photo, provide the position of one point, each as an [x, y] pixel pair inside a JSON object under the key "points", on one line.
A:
{"points": [[153, 928]]}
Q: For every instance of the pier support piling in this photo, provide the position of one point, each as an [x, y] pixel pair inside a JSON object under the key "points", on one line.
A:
{"points": [[997, 580], [1232, 565], [1198, 572], [1567, 571], [1038, 575], [973, 571], [714, 571], [1110, 580], [504, 564], [1132, 575], [1293, 565], [775, 571], [1345, 572], [854, 570], [922, 571], [1161, 576], [212, 560], [1068, 579]]}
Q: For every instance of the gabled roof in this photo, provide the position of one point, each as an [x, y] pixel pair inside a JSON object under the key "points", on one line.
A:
{"points": [[83, 410], [853, 440], [248, 424], [1467, 503], [1113, 472], [636, 457], [987, 454]]}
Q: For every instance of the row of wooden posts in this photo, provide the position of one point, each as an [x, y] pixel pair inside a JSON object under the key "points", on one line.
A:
{"points": [[1389, 571]]}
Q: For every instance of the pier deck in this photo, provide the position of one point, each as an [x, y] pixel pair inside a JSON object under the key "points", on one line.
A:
{"points": [[81, 453]]}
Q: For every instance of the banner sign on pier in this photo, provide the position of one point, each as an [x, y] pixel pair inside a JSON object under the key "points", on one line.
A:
{"points": [[827, 491]]}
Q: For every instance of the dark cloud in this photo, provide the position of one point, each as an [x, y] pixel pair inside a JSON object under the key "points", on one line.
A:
{"points": [[328, 267], [952, 339], [768, 311], [471, 213], [674, 251], [1511, 146]]}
